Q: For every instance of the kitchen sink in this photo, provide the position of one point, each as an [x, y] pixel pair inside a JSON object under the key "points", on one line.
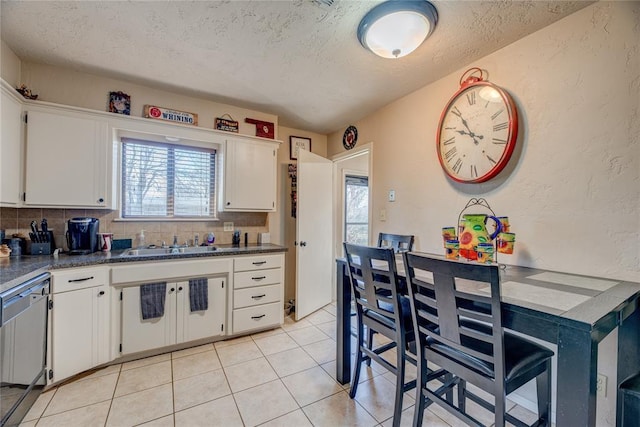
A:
{"points": [[168, 251]]}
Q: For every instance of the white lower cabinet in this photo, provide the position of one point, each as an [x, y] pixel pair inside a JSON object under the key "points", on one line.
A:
{"points": [[178, 324], [79, 321], [258, 292]]}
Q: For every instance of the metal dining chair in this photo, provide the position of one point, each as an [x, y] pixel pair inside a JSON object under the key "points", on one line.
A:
{"points": [[399, 242], [470, 341], [381, 308]]}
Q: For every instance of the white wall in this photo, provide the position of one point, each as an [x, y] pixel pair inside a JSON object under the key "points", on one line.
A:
{"points": [[572, 189]]}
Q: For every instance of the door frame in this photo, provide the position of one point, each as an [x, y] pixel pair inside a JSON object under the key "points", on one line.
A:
{"points": [[339, 200]]}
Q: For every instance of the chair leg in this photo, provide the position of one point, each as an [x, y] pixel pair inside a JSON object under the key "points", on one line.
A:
{"points": [[370, 333], [397, 409], [500, 409], [421, 381], [462, 390], [358, 362], [543, 387]]}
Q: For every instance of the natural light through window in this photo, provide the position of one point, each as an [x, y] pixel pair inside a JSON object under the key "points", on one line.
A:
{"points": [[356, 227], [167, 181]]}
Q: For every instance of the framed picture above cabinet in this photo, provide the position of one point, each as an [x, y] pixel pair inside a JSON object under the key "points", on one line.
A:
{"points": [[297, 143]]}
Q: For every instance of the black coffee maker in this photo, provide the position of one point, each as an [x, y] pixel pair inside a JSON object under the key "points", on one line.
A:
{"points": [[82, 235]]}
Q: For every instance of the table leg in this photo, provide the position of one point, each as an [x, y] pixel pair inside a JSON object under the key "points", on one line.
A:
{"points": [[343, 324], [577, 374], [628, 354]]}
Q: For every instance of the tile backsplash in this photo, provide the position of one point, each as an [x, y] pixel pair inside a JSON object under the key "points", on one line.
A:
{"points": [[18, 220]]}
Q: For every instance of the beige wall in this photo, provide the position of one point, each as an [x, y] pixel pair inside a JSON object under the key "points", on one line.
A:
{"points": [[572, 190], [9, 65]]}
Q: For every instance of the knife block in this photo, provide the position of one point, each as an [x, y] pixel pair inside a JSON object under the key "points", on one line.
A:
{"points": [[45, 248]]}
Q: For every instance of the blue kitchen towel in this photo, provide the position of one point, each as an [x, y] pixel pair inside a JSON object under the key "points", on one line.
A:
{"points": [[152, 296], [199, 294]]}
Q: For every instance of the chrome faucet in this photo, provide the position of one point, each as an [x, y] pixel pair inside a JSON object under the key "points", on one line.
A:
{"points": [[175, 241], [195, 240]]}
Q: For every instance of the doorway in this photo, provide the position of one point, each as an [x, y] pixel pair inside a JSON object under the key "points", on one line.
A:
{"points": [[356, 209]]}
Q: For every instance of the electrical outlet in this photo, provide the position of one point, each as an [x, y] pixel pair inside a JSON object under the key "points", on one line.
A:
{"points": [[392, 195], [601, 385], [228, 226]]}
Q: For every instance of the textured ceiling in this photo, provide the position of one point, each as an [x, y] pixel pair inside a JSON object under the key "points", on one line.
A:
{"points": [[298, 59]]}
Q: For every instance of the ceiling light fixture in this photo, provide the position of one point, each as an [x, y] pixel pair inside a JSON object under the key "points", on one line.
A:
{"points": [[396, 28]]}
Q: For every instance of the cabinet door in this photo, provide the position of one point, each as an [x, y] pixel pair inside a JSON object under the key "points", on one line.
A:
{"points": [[139, 334], [10, 150], [78, 325], [66, 160], [250, 176], [193, 325]]}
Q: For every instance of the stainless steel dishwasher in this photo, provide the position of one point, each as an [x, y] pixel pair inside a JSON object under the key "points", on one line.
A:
{"points": [[23, 344]]}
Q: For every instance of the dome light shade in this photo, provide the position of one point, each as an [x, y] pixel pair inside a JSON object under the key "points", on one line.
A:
{"points": [[396, 28]]}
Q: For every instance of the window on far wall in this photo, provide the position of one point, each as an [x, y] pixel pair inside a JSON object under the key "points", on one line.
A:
{"points": [[356, 225], [166, 180]]}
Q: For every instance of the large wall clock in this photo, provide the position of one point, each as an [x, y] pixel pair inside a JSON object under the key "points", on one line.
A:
{"points": [[477, 131]]}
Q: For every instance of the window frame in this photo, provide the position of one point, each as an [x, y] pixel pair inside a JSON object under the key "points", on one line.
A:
{"points": [[199, 146]]}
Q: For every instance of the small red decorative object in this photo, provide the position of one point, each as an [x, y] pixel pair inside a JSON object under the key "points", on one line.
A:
{"points": [[263, 129]]}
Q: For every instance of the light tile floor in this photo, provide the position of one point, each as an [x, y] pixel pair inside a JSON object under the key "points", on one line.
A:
{"points": [[283, 377]]}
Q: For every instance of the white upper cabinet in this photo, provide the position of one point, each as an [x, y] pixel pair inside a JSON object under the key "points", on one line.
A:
{"points": [[67, 158], [250, 176], [10, 149]]}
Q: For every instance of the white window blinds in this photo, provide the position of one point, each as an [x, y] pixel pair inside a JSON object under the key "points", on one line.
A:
{"points": [[166, 180]]}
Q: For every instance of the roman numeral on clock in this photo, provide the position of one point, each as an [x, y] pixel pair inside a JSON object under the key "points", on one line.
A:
{"points": [[471, 98], [500, 126], [499, 141], [456, 168], [474, 171], [496, 114], [449, 154], [449, 141], [455, 111], [490, 159]]}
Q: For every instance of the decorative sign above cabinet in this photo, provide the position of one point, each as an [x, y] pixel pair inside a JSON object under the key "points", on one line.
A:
{"points": [[160, 113], [477, 131], [263, 129], [227, 125]]}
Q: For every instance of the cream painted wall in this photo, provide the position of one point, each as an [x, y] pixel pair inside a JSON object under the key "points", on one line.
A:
{"points": [[9, 65], [66, 86], [572, 190], [286, 227]]}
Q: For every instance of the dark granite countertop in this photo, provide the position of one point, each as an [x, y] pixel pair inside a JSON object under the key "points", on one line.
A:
{"points": [[15, 270]]}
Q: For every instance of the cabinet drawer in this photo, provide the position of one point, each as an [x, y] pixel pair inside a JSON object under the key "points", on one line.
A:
{"points": [[79, 278], [261, 316], [258, 262], [248, 279], [255, 296]]}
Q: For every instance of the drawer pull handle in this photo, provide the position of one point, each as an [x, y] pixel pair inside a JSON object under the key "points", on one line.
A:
{"points": [[259, 262], [259, 296], [258, 317], [80, 280], [259, 278]]}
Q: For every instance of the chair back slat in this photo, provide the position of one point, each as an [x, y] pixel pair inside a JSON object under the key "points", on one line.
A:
{"points": [[374, 280], [467, 322], [399, 242]]}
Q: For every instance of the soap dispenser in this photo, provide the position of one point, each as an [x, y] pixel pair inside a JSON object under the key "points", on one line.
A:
{"points": [[141, 239]]}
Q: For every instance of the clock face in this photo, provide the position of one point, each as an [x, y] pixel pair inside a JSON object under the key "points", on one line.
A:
{"points": [[477, 133], [350, 137]]}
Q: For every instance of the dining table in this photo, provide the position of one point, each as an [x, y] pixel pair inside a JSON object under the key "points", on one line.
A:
{"points": [[574, 312]]}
